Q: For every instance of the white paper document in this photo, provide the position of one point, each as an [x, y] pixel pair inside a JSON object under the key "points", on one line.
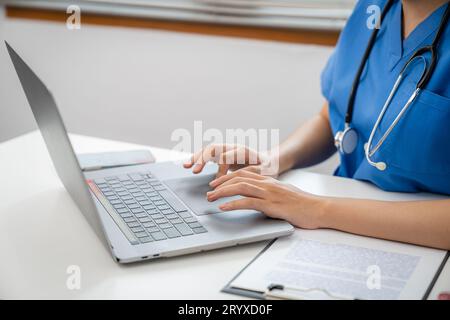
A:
{"points": [[323, 264]]}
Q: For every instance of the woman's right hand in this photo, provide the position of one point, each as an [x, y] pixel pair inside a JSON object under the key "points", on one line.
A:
{"points": [[228, 157]]}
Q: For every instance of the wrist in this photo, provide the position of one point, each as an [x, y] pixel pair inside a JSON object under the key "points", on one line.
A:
{"points": [[279, 160], [312, 211], [320, 208], [325, 212]]}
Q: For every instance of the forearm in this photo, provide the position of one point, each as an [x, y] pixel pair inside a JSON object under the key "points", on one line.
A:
{"points": [[309, 144], [420, 222]]}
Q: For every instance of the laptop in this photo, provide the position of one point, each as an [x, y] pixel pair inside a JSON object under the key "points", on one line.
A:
{"points": [[145, 211]]}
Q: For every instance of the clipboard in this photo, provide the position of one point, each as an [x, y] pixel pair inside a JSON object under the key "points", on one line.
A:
{"points": [[247, 293], [274, 291], [283, 292]]}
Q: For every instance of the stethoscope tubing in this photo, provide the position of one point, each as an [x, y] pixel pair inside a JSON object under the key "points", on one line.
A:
{"points": [[369, 152]]}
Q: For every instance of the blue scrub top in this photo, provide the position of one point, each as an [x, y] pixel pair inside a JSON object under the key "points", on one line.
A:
{"points": [[417, 151]]}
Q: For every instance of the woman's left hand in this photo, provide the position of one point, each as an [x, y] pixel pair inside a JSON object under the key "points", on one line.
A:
{"points": [[270, 196]]}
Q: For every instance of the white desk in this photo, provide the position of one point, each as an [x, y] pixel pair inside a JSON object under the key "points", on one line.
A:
{"points": [[42, 233]]}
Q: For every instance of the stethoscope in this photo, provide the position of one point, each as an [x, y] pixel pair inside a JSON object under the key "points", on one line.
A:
{"points": [[347, 139]]}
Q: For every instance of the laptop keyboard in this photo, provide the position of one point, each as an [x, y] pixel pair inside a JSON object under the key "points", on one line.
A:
{"points": [[147, 207]]}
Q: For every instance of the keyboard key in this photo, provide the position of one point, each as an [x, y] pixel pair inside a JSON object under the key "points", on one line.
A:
{"points": [[129, 219], [176, 221], [137, 229], [153, 229], [185, 214], [133, 224], [157, 216], [135, 177], [148, 190], [134, 206], [126, 215], [190, 219], [149, 224], [152, 211], [171, 233], [158, 235], [141, 215], [167, 211], [159, 202], [172, 201], [199, 230], [141, 234], [144, 219], [122, 210], [149, 207], [138, 210], [109, 193], [165, 225], [129, 202], [119, 206], [160, 221], [155, 184], [99, 181], [172, 216], [160, 188], [122, 194], [123, 177], [184, 229], [195, 225], [144, 203], [145, 239]]}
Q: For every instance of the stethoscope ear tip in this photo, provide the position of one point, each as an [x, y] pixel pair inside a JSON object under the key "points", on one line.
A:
{"points": [[381, 166]]}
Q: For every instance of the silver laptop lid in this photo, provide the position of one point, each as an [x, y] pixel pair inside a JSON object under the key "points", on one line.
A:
{"points": [[58, 144]]}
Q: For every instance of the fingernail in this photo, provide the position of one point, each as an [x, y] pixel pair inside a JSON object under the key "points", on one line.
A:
{"points": [[223, 207], [212, 183]]}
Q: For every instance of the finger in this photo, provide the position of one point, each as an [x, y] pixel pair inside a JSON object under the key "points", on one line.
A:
{"points": [[237, 180], [206, 155], [193, 159], [242, 188], [253, 169], [237, 156], [238, 173], [188, 163], [223, 170], [242, 204]]}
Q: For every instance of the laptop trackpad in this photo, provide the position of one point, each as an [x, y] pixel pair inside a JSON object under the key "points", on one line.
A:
{"points": [[192, 191]]}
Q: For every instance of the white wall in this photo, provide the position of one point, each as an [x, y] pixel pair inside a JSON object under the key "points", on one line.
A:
{"points": [[139, 85]]}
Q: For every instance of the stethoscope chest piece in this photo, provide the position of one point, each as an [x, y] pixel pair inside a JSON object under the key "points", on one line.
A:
{"points": [[346, 140]]}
